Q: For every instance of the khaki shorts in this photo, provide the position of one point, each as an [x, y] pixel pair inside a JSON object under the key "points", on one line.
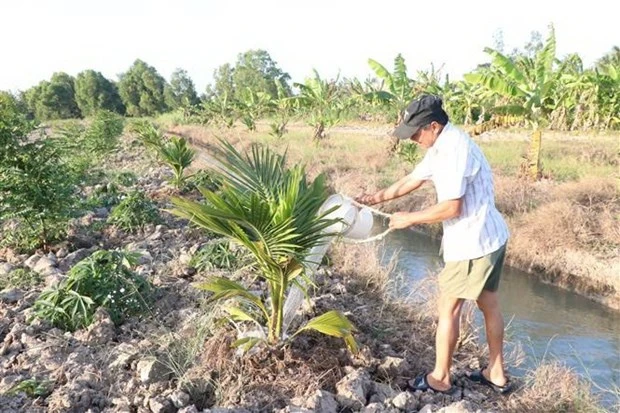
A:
{"points": [[467, 278]]}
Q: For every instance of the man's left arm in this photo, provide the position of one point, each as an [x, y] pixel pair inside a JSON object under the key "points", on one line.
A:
{"points": [[442, 211]]}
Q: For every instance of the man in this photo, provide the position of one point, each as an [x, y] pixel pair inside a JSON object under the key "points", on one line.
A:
{"points": [[474, 235]]}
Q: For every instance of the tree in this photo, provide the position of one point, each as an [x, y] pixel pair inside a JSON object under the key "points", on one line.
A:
{"points": [[180, 93], [254, 70], [611, 58], [528, 85], [94, 92], [257, 71], [54, 99], [142, 90], [223, 82]]}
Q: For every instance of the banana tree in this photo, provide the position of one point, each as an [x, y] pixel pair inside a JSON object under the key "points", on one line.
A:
{"points": [[273, 212], [529, 85], [398, 88], [251, 106], [221, 109], [282, 106], [321, 99]]}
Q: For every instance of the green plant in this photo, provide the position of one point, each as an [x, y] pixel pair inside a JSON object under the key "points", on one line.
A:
{"points": [[148, 134], [38, 191], [398, 90], [178, 155], [134, 212], [21, 278], [104, 279], [273, 212], [216, 255], [103, 133], [142, 90], [408, 151], [124, 178], [32, 388], [204, 179], [320, 98]]}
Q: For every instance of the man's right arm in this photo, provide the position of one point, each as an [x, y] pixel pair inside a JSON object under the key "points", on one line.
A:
{"points": [[399, 188]]}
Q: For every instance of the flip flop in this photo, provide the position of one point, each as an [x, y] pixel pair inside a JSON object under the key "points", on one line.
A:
{"points": [[478, 377], [421, 383]]}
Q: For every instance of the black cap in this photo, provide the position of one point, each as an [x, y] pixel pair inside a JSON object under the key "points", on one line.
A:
{"points": [[420, 112]]}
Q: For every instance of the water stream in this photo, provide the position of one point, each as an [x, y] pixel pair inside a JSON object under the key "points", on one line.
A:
{"points": [[550, 322]]}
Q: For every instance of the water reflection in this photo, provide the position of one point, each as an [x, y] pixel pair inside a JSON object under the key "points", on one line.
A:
{"points": [[549, 322]]}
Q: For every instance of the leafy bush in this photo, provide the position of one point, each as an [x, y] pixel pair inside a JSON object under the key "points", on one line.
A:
{"points": [[21, 278], [106, 196], [37, 190], [102, 134], [148, 134], [408, 152], [134, 212], [204, 179], [104, 279], [216, 255], [124, 178]]}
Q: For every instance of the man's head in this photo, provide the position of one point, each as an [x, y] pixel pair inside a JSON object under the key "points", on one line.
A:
{"points": [[422, 121]]}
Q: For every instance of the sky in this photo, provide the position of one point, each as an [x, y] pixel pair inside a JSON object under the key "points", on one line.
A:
{"points": [[40, 37]]}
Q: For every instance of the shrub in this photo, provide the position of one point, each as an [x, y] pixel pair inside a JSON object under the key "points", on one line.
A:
{"points": [[37, 190], [216, 255], [104, 279], [408, 152], [204, 179], [134, 212]]}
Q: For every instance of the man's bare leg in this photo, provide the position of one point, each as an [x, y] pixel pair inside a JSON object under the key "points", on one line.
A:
{"points": [[488, 303], [445, 341]]}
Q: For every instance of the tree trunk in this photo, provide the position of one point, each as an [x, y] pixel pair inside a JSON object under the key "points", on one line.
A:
{"points": [[534, 168]]}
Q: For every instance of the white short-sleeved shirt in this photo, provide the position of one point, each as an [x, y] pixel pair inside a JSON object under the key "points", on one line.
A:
{"points": [[458, 169]]}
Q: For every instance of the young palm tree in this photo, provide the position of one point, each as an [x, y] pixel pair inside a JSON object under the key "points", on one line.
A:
{"points": [[273, 212], [178, 155]]}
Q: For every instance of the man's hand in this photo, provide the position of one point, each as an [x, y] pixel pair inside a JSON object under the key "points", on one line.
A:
{"points": [[401, 220], [366, 199]]}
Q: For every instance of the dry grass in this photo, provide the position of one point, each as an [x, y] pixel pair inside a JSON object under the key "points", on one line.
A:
{"points": [[552, 387], [572, 238]]}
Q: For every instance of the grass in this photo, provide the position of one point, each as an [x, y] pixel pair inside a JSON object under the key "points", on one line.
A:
{"points": [[21, 278], [562, 160]]}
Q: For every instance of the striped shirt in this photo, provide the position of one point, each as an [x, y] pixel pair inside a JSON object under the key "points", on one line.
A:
{"points": [[458, 169]]}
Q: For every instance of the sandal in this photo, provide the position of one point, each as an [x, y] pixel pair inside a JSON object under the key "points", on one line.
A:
{"points": [[421, 383], [478, 377]]}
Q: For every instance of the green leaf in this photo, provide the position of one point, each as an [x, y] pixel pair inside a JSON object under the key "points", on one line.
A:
{"points": [[225, 288], [246, 343], [238, 314], [333, 323]]}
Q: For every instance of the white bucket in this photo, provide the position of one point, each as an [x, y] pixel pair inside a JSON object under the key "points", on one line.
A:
{"points": [[356, 223], [362, 226], [345, 211]]}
